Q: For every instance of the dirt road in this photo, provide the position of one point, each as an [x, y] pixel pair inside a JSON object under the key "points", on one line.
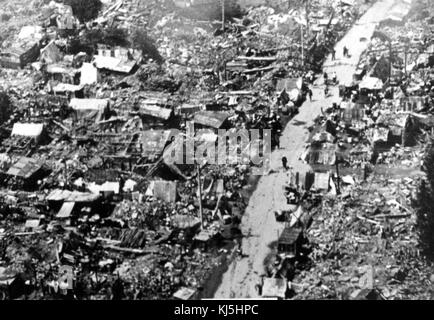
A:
{"points": [[259, 227]]}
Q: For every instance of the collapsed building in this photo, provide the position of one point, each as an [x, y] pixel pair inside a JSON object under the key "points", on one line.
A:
{"points": [[88, 165]]}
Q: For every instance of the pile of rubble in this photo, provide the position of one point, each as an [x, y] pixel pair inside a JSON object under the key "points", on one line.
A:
{"points": [[364, 242], [91, 206]]}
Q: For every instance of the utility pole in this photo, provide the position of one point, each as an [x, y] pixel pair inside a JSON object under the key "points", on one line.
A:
{"points": [[390, 62], [223, 15], [200, 194], [338, 187], [302, 45], [306, 2], [199, 182]]}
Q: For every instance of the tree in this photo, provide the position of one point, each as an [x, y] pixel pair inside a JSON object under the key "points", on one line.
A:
{"points": [[140, 40], [5, 107], [213, 10], [425, 206], [115, 37], [85, 10]]}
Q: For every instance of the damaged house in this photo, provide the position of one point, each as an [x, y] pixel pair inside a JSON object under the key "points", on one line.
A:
{"points": [[392, 129], [89, 111], [24, 136], [25, 173], [17, 57], [50, 54], [117, 59], [157, 113]]}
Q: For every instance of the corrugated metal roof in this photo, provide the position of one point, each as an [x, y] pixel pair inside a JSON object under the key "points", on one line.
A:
{"points": [[88, 104], [66, 210], [290, 235], [24, 168], [155, 111], [114, 64]]}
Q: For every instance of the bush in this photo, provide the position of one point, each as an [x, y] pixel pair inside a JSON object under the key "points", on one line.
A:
{"points": [[85, 10], [115, 37], [90, 38], [4, 17], [5, 107]]}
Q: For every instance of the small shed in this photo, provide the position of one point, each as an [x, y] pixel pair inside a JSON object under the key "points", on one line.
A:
{"points": [[30, 130], [24, 168], [89, 109], [290, 241]]}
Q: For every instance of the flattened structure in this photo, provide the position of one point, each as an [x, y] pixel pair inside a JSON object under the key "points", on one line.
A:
{"points": [[24, 168], [211, 119]]}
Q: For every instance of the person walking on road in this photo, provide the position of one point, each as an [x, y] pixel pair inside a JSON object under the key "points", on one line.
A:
{"points": [[334, 78], [309, 92], [326, 91], [326, 77], [333, 54], [285, 163], [346, 53]]}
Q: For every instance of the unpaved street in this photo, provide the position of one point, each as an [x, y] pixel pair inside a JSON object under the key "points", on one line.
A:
{"points": [[259, 226]]}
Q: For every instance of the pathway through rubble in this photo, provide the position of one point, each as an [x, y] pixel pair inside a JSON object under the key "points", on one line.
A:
{"points": [[259, 227]]}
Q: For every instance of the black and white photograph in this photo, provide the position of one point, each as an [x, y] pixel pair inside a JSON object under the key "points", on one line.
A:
{"points": [[195, 151]]}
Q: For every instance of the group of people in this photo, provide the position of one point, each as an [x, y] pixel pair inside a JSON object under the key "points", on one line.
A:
{"points": [[345, 54]]}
